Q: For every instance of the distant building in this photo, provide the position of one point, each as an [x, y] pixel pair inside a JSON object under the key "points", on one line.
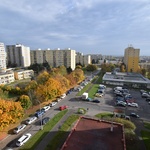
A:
{"points": [[54, 58], [2, 57], [133, 80], [18, 55], [131, 59], [84, 60]]}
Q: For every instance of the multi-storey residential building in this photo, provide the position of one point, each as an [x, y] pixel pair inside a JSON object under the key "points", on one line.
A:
{"points": [[131, 59], [55, 58], [6, 78], [83, 59], [23, 74], [18, 55], [2, 57]]}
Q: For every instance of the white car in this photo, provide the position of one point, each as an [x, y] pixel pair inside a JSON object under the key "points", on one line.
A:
{"points": [[63, 96], [19, 128], [46, 108], [31, 120], [53, 104], [133, 104], [23, 139]]}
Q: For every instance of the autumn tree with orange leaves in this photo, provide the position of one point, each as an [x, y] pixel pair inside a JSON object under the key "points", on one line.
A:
{"points": [[10, 112], [51, 89]]}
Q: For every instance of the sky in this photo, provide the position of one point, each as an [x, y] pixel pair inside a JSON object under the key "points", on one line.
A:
{"points": [[104, 27]]}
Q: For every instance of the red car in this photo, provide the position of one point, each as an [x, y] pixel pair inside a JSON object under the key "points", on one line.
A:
{"points": [[63, 107]]}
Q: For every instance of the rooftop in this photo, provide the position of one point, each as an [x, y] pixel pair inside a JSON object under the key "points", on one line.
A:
{"points": [[95, 134]]}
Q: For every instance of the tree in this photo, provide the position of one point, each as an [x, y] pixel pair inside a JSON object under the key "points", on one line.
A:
{"points": [[43, 77], [91, 67], [51, 89], [93, 61], [25, 101]]}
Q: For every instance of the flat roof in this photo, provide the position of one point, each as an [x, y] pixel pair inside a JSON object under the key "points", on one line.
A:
{"points": [[125, 77], [92, 134]]}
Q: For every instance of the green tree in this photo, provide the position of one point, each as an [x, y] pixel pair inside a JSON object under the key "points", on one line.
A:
{"points": [[25, 101], [91, 67]]}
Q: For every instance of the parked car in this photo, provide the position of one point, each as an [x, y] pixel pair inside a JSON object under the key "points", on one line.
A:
{"points": [[148, 99], [45, 120], [53, 104], [31, 120], [96, 101], [63, 107], [58, 99], [134, 115], [63, 96], [23, 139], [145, 95], [39, 113], [133, 104], [19, 128], [121, 103], [46, 108], [99, 94]]}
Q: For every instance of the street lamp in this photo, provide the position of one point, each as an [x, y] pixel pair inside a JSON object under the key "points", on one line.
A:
{"points": [[41, 115]]}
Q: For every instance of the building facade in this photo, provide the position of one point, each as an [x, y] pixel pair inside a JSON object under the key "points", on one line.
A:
{"points": [[131, 59], [84, 60], [2, 57], [54, 58], [18, 55]]}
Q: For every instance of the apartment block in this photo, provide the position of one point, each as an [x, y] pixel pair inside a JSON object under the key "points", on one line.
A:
{"points": [[83, 59], [23, 74], [2, 57], [131, 59], [6, 78], [18, 55], [54, 58]]}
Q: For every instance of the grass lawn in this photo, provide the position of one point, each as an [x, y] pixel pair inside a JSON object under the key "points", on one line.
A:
{"points": [[84, 89], [104, 114], [32, 143], [146, 138], [93, 90], [62, 134], [147, 125]]}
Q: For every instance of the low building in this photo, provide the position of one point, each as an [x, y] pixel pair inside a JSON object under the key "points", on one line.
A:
{"points": [[135, 80], [23, 74], [6, 78]]}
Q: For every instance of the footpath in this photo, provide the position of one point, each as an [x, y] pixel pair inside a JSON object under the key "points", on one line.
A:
{"points": [[45, 141]]}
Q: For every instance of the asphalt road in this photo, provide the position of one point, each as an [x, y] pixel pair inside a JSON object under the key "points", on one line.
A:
{"points": [[107, 104]]}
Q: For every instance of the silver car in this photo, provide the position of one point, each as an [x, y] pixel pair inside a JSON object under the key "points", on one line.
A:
{"points": [[19, 128]]}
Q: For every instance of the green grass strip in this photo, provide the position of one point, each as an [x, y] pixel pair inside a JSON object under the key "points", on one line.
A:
{"points": [[62, 134], [33, 142], [93, 90], [147, 125], [146, 138], [84, 89], [104, 114]]}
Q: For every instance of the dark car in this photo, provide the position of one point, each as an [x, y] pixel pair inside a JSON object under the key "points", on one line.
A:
{"points": [[96, 101], [39, 113], [148, 99], [45, 120], [134, 115]]}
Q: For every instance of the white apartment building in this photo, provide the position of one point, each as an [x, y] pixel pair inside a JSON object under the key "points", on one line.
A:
{"points": [[23, 74], [18, 55], [2, 57], [6, 78], [55, 58], [83, 59]]}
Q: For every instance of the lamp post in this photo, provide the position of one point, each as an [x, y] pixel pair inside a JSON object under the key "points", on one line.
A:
{"points": [[41, 115]]}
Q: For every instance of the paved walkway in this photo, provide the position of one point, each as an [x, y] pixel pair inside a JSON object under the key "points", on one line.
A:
{"points": [[42, 145]]}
